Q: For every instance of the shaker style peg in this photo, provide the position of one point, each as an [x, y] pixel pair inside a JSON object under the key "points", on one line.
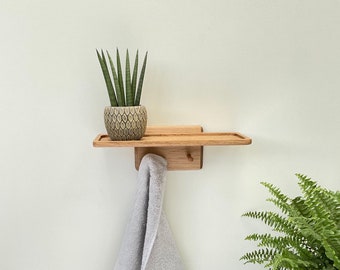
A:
{"points": [[189, 157]]}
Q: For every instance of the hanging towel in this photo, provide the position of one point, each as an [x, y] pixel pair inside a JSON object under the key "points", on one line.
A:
{"points": [[148, 243]]}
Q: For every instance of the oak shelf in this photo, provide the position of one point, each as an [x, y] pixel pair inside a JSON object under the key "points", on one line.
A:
{"points": [[195, 139], [182, 146]]}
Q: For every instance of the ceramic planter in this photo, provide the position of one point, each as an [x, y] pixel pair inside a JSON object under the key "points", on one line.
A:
{"points": [[125, 123]]}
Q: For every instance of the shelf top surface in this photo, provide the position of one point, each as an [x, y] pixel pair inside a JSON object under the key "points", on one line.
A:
{"points": [[157, 138]]}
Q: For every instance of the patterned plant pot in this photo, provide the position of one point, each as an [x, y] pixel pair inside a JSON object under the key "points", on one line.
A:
{"points": [[125, 123]]}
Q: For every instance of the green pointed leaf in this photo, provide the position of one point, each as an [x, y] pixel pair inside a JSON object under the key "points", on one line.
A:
{"points": [[107, 78], [120, 73], [119, 91], [129, 96], [140, 82], [134, 76]]}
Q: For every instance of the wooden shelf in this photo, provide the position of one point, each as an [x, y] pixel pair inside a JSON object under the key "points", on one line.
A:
{"points": [[182, 146], [172, 139]]}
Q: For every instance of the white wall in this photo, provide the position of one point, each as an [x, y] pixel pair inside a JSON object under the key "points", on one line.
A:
{"points": [[268, 69]]}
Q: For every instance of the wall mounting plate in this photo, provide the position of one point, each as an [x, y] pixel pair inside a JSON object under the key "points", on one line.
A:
{"points": [[177, 157]]}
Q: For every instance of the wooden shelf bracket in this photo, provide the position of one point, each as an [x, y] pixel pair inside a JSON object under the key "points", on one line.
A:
{"points": [[181, 146]]}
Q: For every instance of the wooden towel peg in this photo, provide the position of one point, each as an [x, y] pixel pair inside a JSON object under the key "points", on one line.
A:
{"points": [[189, 157]]}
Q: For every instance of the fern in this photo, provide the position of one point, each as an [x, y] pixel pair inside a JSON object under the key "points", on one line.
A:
{"points": [[307, 231]]}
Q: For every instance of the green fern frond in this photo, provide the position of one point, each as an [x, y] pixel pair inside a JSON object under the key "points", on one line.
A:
{"points": [[259, 256], [332, 248], [277, 222], [281, 200], [269, 241], [309, 228], [290, 260]]}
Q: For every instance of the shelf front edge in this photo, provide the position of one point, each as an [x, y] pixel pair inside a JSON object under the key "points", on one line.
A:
{"points": [[173, 140]]}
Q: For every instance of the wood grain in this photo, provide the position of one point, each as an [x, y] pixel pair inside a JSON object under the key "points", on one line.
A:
{"points": [[171, 138], [181, 146], [178, 158]]}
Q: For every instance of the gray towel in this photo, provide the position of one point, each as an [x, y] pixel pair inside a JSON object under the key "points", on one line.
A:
{"points": [[148, 243]]}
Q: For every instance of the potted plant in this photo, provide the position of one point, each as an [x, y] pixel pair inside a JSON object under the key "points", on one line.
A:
{"points": [[306, 234], [125, 119]]}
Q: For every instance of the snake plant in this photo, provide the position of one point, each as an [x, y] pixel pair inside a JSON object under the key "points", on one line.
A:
{"points": [[122, 93], [306, 232]]}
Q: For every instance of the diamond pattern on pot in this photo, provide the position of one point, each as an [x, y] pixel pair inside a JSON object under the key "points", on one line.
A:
{"points": [[125, 123]]}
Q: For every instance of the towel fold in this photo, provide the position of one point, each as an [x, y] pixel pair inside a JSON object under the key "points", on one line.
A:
{"points": [[148, 243]]}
